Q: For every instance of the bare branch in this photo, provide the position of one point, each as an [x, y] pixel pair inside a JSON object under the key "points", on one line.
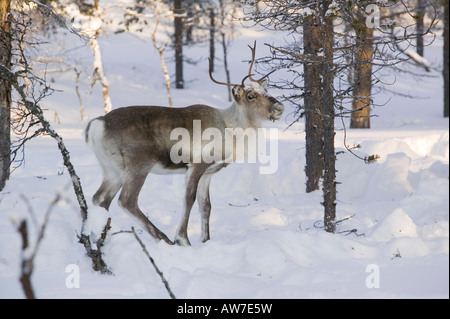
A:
{"points": [[26, 268], [27, 256], [161, 275]]}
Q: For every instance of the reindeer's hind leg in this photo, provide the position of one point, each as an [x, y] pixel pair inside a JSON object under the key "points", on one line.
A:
{"points": [[112, 177], [111, 184], [133, 181]]}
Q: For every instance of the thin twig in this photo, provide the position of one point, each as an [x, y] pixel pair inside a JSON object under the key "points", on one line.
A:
{"points": [[27, 264], [235, 205], [161, 275], [346, 232]]}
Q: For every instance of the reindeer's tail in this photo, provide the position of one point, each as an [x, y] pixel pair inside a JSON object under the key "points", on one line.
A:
{"points": [[94, 131]]}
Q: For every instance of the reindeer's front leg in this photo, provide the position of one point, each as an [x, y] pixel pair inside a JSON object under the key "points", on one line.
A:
{"points": [[193, 175], [204, 204]]}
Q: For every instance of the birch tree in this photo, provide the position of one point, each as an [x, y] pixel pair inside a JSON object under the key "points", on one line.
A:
{"points": [[161, 48], [89, 20], [95, 23]]}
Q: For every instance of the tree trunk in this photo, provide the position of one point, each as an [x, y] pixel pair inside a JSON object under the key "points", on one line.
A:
{"points": [[212, 32], [98, 71], [312, 43], [420, 11], [329, 178], [362, 78], [161, 49], [189, 26], [178, 21], [222, 29], [446, 59], [98, 62], [225, 64], [5, 94]]}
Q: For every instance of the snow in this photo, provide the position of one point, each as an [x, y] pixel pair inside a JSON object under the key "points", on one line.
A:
{"points": [[418, 58], [266, 235]]}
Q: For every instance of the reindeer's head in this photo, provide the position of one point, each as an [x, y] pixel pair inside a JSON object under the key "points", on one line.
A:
{"points": [[253, 98]]}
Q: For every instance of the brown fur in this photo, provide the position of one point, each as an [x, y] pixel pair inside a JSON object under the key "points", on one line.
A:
{"points": [[136, 140]]}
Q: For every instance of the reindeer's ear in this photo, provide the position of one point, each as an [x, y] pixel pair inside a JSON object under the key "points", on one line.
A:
{"points": [[238, 92], [264, 83]]}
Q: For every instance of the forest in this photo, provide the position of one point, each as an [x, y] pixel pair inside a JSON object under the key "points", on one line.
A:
{"points": [[354, 205]]}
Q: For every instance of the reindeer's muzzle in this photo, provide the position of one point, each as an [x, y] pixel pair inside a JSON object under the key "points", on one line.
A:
{"points": [[277, 111]]}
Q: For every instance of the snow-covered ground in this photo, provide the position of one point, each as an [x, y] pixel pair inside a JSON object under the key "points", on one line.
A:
{"points": [[266, 235]]}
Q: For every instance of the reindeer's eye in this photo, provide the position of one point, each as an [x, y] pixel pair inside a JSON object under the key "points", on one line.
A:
{"points": [[251, 97]]}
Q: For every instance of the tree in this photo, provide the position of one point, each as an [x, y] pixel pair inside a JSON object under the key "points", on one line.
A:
{"points": [[212, 32], [332, 69], [313, 103], [420, 9], [30, 121], [446, 58], [5, 93], [97, 20], [328, 100], [226, 31], [161, 48], [317, 60], [178, 26], [90, 19], [362, 71]]}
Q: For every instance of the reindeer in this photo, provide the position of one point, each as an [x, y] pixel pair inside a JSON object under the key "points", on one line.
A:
{"points": [[131, 142]]}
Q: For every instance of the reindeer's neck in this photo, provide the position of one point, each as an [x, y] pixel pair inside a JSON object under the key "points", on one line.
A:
{"points": [[235, 116]]}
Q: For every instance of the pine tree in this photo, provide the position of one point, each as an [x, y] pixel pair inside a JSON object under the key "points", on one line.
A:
{"points": [[5, 93], [178, 24]]}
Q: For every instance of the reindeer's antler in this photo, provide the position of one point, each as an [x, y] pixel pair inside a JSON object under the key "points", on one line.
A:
{"points": [[253, 61], [251, 66], [249, 76], [214, 80]]}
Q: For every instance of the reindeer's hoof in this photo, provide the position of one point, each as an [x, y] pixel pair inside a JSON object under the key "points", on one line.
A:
{"points": [[168, 241], [96, 200], [181, 241], [161, 236]]}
